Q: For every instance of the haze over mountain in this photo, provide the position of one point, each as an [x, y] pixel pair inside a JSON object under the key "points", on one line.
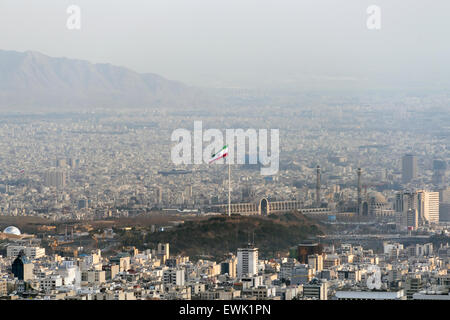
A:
{"points": [[32, 81]]}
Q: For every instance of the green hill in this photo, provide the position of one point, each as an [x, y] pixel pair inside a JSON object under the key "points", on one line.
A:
{"points": [[220, 235]]}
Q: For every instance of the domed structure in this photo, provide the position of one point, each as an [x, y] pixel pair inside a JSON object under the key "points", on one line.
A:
{"points": [[377, 197], [12, 230], [375, 205]]}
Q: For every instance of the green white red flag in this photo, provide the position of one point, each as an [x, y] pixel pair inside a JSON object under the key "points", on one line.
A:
{"points": [[220, 154]]}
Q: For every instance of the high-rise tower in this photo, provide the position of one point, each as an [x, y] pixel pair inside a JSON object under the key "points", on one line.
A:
{"points": [[409, 168], [247, 261], [318, 187], [428, 206], [439, 172], [359, 191]]}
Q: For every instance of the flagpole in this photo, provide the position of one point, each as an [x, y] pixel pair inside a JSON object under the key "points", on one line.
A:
{"points": [[222, 154], [229, 188]]}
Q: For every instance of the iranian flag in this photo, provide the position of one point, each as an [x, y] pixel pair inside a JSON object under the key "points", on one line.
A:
{"points": [[219, 155]]}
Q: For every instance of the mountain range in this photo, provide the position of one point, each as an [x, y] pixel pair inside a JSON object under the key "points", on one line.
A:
{"points": [[32, 81]]}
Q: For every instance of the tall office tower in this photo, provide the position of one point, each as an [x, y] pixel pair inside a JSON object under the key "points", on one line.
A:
{"points": [[55, 178], [439, 172], [404, 202], [318, 203], [444, 195], [359, 191], [247, 264], [409, 168], [412, 219], [428, 206], [444, 204], [425, 203]]}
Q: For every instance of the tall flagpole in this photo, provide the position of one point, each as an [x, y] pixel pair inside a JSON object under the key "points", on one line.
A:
{"points": [[229, 189]]}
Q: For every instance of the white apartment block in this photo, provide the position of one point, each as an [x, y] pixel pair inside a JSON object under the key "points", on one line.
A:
{"points": [[50, 283], [30, 252], [247, 264], [429, 206], [174, 277], [93, 276]]}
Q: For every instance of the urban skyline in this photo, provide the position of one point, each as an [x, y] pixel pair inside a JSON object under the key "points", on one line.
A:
{"points": [[295, 151]]}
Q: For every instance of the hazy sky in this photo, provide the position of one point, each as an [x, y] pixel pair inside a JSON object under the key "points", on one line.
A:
{"points": [[243, 42]]}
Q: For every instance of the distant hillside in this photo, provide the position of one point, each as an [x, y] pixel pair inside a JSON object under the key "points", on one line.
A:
{"points": [[32, 81], [219, 235]]}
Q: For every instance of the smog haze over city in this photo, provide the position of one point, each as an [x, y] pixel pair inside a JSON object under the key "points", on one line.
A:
{"points": [[224, 150]]}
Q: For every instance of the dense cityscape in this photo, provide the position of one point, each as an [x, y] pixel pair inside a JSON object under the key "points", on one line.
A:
{"points": [[378, 193], [221, 159]]}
